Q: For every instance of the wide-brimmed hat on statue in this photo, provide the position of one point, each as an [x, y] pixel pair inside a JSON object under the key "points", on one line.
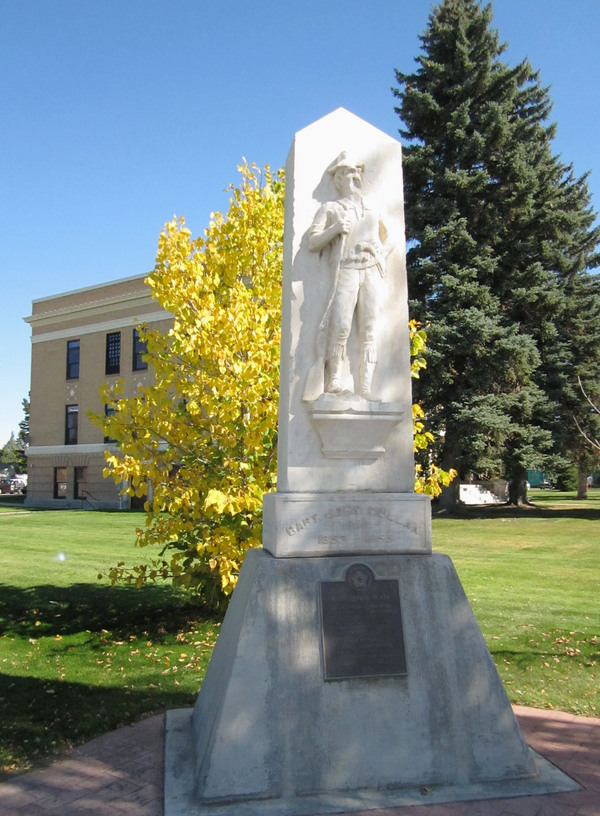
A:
{"points": [[345, 159]]}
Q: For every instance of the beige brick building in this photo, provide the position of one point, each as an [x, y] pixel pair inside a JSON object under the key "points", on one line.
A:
{"points": [[79, 340]]}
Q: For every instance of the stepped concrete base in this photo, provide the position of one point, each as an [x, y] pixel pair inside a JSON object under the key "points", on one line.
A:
{"points": [[269, 735]]}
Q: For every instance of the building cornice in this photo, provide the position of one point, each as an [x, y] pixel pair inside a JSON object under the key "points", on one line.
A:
{"points": [[92, 288], [84, 311], [101, 326]]}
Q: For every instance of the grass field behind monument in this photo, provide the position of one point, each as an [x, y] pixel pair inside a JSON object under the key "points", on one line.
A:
{"points": [[532, 577], [79, 657]]}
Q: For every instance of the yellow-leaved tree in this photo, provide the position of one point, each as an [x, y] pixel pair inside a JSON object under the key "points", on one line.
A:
{"points": [[429, 477], [200, 442]]}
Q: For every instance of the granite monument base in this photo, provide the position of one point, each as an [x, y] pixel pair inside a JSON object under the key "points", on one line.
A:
{"points": [[305, 709]]}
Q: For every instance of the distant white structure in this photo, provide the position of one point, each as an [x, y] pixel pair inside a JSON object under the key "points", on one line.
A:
{"points": [[484, 492]]}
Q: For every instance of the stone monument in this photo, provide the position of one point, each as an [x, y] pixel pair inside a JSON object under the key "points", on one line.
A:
{"points": [[350, 672], [345, 421]]}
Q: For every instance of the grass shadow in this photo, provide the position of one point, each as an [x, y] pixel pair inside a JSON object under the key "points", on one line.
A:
{"points": [[533, 510], [35, 731], [85, 659], [47, 610]]}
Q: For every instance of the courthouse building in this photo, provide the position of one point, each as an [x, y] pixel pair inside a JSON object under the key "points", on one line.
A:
{"points": [[81, 339]]}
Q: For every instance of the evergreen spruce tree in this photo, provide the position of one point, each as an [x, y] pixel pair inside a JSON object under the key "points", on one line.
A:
{"points": [[23, 438], [8, 452], [579, 431], [497, 228]]}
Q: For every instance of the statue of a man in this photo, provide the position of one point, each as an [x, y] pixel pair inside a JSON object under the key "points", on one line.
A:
{"points": [[352, 230]]}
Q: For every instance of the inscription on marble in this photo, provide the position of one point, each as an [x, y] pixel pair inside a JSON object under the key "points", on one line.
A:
{"points": [[301, 524], [346, 516], [361, 626]]}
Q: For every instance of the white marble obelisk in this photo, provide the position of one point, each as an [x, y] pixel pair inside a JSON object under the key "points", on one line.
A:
{"points": [[345, 452]]}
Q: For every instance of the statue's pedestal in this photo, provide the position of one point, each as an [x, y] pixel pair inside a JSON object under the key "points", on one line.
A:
{"points": [[352, 427], [313, 524], [273, 733]]}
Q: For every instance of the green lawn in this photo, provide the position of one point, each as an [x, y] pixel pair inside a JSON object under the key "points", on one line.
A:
{"points": [[79, 657], [533, 579]]}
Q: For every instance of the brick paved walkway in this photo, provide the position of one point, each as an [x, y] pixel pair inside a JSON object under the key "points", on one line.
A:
{"points": [[121, 774]]}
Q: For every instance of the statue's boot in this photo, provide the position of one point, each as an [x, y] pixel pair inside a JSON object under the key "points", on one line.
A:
{"points": [[334, 385], [366, 378]]}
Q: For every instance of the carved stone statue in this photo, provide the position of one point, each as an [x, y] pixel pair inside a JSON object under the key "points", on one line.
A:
{"points": [[352, 231]]}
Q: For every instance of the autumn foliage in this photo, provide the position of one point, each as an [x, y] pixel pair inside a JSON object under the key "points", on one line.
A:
{"points": [[200, 443], [429, 477]]}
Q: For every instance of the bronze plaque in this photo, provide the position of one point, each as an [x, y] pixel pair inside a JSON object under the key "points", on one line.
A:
{"points": [[361, 626]]}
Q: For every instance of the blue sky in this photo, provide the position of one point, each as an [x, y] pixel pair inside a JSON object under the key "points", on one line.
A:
{"points": [[119, 114]]}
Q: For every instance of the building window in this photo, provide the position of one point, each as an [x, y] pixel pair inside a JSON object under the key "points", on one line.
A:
{"points": [[113, 353], [72, 359], [71, 423], [139, 349], [109, 410], [80, 486], [60, 483]]}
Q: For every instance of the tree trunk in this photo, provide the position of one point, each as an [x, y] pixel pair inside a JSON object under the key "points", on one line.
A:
{"points": [[517, 488], [450, 495], [581, 483]]}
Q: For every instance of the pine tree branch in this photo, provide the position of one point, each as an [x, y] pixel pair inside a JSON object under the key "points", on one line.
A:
{"points": [[593, 442], [588, 398]]}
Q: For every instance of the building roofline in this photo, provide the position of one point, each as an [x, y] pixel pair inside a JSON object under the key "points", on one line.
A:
{"points": [[91, 288]]}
